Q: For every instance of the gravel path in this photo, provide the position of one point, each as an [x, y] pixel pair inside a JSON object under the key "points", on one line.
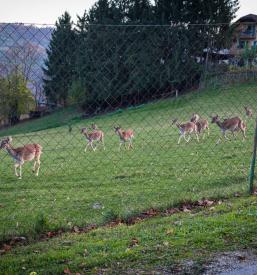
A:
{"points": [[233, 263]]}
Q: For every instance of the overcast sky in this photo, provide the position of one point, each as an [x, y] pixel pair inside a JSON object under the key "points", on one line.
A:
{"points": [[47, 11]]}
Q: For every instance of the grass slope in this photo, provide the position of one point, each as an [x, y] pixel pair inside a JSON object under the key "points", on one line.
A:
{"points": [[167, 245], [157, 173]]}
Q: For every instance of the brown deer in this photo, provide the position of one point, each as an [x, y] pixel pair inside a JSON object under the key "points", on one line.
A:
{"points": [[248, 111], [186, 128], [201, 124], [96, 135], [28, 152], [233, 125], [125, 136]]}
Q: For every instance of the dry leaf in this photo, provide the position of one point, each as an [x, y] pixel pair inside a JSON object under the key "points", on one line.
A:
{"points": [[133, 242], [67, 271], [169, 231]]}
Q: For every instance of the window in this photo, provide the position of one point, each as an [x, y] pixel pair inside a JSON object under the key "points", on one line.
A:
{"points": [[242, 44]]}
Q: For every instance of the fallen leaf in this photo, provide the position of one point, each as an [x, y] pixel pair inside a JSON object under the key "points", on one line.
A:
{"points": [[7, 247], [133, 242], [241, 257], [186, 210], [166, 243], [86, 253], [76, 229], [50, 234], [169, 231], [67, 271]]}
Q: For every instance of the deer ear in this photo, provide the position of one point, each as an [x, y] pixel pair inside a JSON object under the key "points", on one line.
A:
{"points": [[9, 139]]}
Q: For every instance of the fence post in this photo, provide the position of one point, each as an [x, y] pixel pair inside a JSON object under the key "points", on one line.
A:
{"points": [[252, 168]]}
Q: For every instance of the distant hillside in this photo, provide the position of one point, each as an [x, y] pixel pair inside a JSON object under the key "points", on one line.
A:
{"points": [[24, 46], [13, 33]]}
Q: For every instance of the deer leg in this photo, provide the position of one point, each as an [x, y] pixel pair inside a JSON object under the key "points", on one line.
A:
{"points": [[38, 166], [20, 171], [187, 140], [197, 137], [103, 145], [120, 145], [34, 166], [179, 138], [15, 169], [220, 139], [131, 146], [225, 136], [244, 136], [92, 146], [86, 147]]}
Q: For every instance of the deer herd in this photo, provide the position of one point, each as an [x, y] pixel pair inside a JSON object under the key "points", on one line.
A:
{"points": [[196, 126]]}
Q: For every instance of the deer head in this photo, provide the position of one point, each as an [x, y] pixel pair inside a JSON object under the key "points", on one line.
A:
{"points": [[215, 119], [116, 129], [5, 142], [94, 126], [174, 121], [83, 130]]}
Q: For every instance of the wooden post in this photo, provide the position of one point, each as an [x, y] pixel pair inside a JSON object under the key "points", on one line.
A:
{"points": [[252, 167]]}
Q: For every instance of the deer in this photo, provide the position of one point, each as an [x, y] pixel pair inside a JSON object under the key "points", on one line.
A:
{"points": [[201, 124], [96, 135], [94, 126], [125, 136], [20, 155], [186, 128], [233, 125], [248, 111]]}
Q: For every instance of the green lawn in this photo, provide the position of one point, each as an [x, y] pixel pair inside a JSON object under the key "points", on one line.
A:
{"points": [[163, 245], [157, 173]]}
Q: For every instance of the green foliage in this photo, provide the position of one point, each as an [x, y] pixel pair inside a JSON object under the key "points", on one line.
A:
{"points": [[41, 224], [109, 216], [59, 66], [79, 94], [249, 54], [157, 173], [15, 98], [196, 12], [162, 244], [115, 65]]}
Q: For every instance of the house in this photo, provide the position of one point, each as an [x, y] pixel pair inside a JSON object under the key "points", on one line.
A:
{"points": [[244, 34]]}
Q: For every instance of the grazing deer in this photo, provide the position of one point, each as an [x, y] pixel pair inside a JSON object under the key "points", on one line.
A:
{"points": [[186, 128], [28, 152], [201, 124], [96, 135], [233, 125], [125, 136], [248, 111]]}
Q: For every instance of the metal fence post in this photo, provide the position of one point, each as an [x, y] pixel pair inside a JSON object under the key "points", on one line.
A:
{"points": [[252, 168]]}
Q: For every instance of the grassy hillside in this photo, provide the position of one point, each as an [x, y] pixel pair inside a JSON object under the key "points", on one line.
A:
{"points": [[157, 173], [179, 244]]}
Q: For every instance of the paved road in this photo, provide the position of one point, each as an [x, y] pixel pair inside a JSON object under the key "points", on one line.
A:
{"points": [[249, 269]]}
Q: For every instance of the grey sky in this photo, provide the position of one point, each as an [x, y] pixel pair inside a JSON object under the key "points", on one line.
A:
{"points": [[47, 11]]}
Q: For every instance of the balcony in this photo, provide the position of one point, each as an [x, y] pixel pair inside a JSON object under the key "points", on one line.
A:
{"points": [[248, 35]]}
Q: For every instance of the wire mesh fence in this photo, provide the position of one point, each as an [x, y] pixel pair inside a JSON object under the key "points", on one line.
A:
{"points": [[119, 119]]}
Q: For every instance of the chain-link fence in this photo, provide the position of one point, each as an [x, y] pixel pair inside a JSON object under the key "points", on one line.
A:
{"points": [[128, 118]]}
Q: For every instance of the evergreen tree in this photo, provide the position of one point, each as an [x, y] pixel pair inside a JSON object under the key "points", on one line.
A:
{"points": [[195, 11], [59, 66]]}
